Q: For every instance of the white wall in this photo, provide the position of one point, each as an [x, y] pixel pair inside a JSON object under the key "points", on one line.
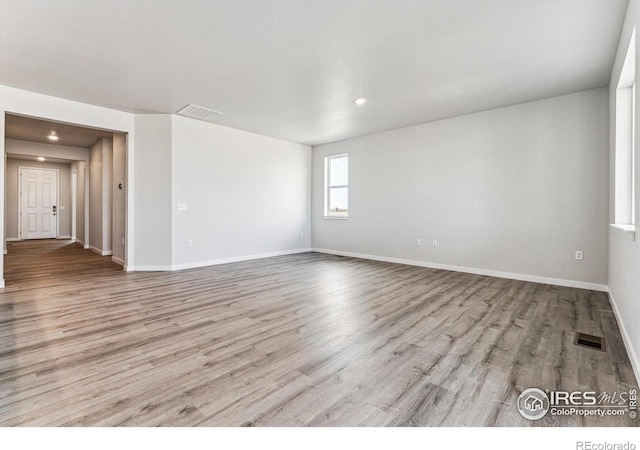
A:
{"points": [[74, 167], [107, 196], [64, 195], [624, 254], [246, 194], [515, 191], [95, 195], [80, 168], [119, 195], [152, 176], [18, 148], [100, 196]]}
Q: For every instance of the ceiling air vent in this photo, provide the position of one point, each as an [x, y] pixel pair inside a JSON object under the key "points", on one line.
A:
{"points": [[198, 112]]}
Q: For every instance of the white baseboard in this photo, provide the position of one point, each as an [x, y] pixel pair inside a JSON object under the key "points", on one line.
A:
{"points": [[633, 356], [5, 251], [213, 262], [13, 239], [98, 251], [117, 260], [64, 237], [1, 283], [473, 270], [148, 268]]}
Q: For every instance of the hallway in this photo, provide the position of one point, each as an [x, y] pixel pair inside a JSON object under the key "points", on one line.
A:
{"points": [[50, 261]]}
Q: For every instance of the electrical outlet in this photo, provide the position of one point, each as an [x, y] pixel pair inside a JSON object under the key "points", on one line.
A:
{"points": [[122, 241], [189, 243], [418, 242], [182, 206], [302, 234], [579, 255], [434, 244]]}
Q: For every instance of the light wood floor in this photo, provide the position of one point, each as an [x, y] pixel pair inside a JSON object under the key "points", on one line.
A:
{"points": [[307, 339]]}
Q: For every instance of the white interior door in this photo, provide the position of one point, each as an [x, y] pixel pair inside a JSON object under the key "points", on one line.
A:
{"points": [[38, 201]]}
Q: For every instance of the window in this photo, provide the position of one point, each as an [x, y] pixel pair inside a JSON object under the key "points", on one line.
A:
{"points": [[624, 184], [336, 201]]}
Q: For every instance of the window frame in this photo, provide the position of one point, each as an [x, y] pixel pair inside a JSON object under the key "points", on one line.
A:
{"points": [[328, 186], [624, 183]]}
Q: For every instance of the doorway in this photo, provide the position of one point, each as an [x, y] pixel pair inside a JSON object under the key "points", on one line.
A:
{"points": [[38, 203], [67, 182]]}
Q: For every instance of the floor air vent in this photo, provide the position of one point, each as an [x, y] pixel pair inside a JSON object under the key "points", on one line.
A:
{"points": [[198, 112], [590, 341]]}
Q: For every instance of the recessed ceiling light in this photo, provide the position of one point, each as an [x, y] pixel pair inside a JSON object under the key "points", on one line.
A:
{"points": [[52, 136], [360, 101], [41, 158]]}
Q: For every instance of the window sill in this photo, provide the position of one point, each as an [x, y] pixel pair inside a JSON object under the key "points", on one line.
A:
{"points": [[627, 231], [336, 217]]}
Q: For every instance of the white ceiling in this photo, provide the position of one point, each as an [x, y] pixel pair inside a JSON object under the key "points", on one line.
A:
{"points": [[36, 130], [291, 68]]}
